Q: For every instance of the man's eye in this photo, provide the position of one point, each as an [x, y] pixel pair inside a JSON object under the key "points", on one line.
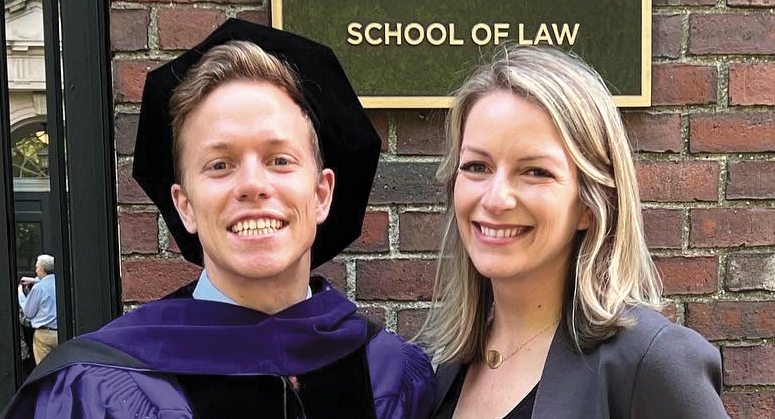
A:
{"points": [[281, 161], [474, 167], [219, 165]]}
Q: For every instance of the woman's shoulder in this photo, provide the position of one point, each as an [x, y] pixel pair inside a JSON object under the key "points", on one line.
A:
{"points": [[661, 354], [401, 375], [652, 330], [674, 364]]}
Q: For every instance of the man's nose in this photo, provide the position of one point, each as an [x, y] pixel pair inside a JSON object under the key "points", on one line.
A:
{"points": [[253, 181]]}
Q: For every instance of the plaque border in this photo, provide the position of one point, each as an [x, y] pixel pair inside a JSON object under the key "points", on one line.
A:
{"points": [[441, 102]]}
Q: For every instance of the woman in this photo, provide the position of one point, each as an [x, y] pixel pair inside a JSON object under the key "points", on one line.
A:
{"points": [[545, 294]]}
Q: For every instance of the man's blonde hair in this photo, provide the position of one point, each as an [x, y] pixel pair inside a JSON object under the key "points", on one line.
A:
{"points": [[234, 60]]}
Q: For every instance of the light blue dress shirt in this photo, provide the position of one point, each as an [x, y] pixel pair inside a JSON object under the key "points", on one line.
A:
{"points": [[205, 290], [40, 307]]}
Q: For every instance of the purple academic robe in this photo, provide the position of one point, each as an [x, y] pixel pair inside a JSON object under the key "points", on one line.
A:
{"points": [[187, 336]]}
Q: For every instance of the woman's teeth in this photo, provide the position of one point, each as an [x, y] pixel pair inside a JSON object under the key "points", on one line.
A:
{"points": [[502, 232]]}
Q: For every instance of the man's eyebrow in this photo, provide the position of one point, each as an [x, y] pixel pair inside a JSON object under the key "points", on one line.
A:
{"points": [[221, 145]]}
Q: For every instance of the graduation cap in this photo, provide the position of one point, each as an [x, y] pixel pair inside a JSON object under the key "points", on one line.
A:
{"points": [[349, 144]]}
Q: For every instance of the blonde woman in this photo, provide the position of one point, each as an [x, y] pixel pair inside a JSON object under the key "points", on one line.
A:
{"points": [[545, 293]]}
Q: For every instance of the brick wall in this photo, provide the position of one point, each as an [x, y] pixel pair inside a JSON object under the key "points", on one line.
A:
{"points": [[706, 151]]}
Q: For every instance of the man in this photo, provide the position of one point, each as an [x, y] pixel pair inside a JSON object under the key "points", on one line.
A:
{"points": [[260, 177], [40, 307]]}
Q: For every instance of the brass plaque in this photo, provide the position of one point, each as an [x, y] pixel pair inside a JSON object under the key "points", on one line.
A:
{"points": [[414, 54]]}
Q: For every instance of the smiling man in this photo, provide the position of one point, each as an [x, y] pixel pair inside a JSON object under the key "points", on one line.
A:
{"points": [[257, 153]]}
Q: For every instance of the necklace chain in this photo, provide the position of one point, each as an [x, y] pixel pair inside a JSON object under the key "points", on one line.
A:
{"points": [[494, 359]]}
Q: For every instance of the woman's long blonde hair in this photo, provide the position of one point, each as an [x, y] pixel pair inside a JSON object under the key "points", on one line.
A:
{"points": [[611, 269]]}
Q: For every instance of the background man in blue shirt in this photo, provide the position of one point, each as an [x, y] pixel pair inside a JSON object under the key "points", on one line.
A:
{"points": [[40, 307]]}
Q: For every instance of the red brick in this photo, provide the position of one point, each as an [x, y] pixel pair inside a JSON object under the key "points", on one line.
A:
{"points": [[374, 235], [666, 35], [420, 132], [129, 79], [172, 245], [683, 84], [751, 272], [678, 181], [129, 192], [256, 16], [375, 314], [688, 275], [420, 231], [751, 179], [129, 29], [405, 183], [724, 227], [183, 28], [751, 3], [335, 273], [752, 84], [199, 1], [379, 120], [731, 34], [669, 311], [749, 365], [150, 279], [139, 232], [395, 279], [735, 132], [750, 405], [126, 132], [410, 321], [684, 2], [663, 227], [732, 319], [654, 132]]}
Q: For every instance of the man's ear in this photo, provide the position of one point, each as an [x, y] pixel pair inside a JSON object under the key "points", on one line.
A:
{"points": [[324, 192], [183, 205]]}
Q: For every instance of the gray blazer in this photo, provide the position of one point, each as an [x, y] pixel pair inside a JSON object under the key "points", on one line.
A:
{"points": [[654, 370]]}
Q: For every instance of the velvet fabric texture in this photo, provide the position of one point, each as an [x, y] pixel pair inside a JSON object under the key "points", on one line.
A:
{"points": [[130, 366]]}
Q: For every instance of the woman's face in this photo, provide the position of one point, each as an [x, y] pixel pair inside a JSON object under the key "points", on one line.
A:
{"points": [[516, 191]]}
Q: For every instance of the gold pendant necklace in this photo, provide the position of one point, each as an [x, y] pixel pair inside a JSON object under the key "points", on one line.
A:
{"points": [[494, 359]]}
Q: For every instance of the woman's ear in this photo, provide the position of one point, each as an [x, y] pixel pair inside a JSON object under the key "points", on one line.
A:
{"points": [[585, 218]]}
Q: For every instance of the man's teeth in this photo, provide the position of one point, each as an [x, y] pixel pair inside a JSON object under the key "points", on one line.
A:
{"points": [[503, 232], [257, 227]]}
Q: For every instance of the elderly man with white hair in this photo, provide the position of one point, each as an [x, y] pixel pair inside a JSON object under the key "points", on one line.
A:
{"points": [[40, 307]]}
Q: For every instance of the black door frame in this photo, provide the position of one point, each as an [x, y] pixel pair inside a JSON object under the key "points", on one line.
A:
{"points": [[83, 183]]}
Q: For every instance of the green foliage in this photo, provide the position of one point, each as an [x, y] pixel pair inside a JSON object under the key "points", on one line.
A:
{"points": [[26, 160]]}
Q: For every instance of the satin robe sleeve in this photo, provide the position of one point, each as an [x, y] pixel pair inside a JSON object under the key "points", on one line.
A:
{"points": [[402, 378], [86, 391]]}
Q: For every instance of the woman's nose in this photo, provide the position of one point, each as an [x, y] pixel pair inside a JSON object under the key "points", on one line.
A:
{"points": [[500, 195]]}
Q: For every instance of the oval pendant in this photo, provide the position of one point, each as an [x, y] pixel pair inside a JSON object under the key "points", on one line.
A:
{"points": [[494, 359]]}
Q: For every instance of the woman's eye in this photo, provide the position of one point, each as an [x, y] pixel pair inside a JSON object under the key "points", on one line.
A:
{"points": [[219, 165], [538, 172], [474, 167]]}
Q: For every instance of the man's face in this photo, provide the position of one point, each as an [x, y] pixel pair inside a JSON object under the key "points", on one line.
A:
{"points": [[250, 187], [39, 271]]}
